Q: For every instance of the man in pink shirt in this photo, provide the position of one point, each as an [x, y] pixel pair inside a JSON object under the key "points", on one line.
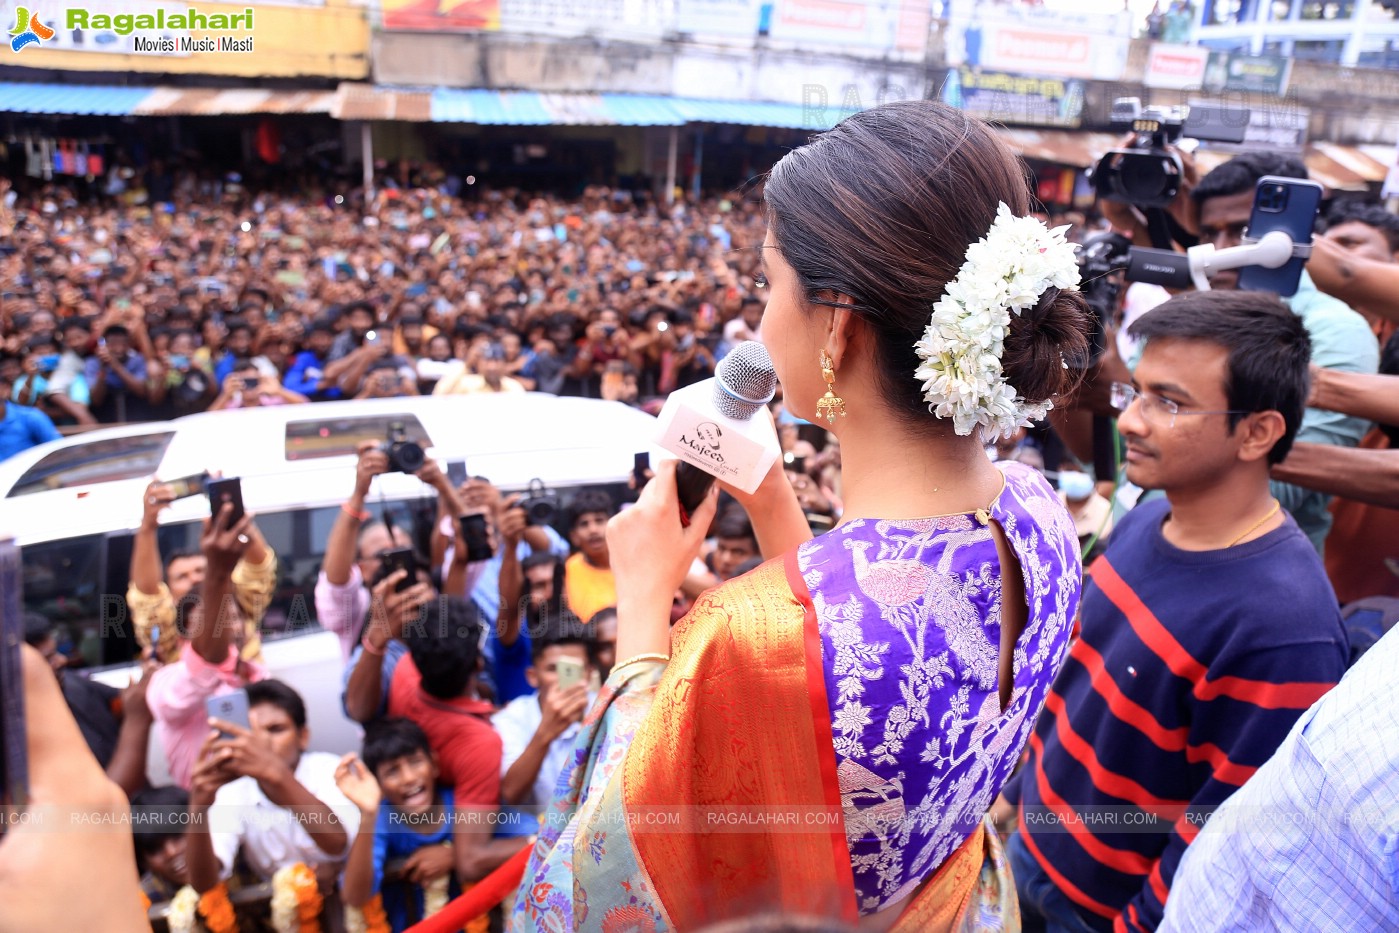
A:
{"points": [[352, 555], [209, 663]]}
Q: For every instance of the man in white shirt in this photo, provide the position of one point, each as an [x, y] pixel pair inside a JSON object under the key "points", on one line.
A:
{"points": [[261, 792], [537, 730]]}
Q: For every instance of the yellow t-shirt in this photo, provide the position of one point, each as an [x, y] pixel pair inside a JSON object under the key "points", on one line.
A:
{"points": [[588, 589]]}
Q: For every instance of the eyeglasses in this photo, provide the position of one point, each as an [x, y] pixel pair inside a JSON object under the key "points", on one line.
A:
{"points": [[1159, 411]]}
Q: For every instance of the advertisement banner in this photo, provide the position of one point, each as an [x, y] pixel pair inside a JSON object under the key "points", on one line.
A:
{"points": [[643, 20], [1036, 41], [1190, 67], [1007, 98], [1176, 67], [441, 15], [736, 19], [1252, 74], [901, 25]]}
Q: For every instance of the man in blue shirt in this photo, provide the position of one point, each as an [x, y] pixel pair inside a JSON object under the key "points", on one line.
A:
{"points": [[307, 373], [21, 427]]}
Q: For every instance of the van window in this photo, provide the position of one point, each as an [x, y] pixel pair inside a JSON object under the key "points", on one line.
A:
{"points": [[104, 461], [338, 437], [63, 583]]}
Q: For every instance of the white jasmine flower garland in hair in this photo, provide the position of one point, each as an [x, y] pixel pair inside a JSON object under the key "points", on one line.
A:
{"points": [[1005, 272]]}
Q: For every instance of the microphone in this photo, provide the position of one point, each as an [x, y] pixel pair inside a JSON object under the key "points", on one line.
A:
{"points": [[711, 428]]}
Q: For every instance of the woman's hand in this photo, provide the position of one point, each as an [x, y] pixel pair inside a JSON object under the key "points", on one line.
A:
{"points": [[650, 554]]}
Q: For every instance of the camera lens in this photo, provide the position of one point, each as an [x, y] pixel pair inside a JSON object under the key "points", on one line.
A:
{"points": [[409, 457]]}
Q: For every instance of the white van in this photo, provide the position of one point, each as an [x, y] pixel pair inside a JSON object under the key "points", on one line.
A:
{"points": [[73, 504]]}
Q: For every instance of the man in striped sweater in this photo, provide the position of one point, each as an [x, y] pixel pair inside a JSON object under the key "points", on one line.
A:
{"points": [[1205, 630]]}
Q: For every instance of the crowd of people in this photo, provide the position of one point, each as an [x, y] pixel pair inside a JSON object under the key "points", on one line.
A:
{"points": [[1188, 676], [120, 312]]}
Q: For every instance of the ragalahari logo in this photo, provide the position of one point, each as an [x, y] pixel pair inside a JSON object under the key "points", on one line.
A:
{"points": [[28, 30]]}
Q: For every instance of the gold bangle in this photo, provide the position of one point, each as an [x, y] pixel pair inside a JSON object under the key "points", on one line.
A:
{"points": [[638, 658]]}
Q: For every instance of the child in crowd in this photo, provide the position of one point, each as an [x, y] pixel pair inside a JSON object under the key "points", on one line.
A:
{"points": [[404, 815], [159, 834]]}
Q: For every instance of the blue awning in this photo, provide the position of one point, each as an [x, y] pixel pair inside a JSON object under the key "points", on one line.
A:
{"points": [[815, 116], [445, 105], [530, 108], [84, 99]]}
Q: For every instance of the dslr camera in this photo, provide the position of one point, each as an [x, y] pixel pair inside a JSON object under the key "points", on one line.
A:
{"points": [[540, 504], [405, 456], [1146, 173]]}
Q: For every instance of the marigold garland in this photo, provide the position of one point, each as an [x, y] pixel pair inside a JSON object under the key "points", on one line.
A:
{"points": [[367, 919], [296, 900], [212, 911], [217, 910]]}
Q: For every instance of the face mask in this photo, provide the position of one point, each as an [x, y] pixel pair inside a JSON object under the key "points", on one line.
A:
{"points": [[1075, 485]]}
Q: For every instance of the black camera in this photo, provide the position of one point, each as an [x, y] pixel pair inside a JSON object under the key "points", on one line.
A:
{"points": [[1146, 174], [540, 505], [405, 456]]}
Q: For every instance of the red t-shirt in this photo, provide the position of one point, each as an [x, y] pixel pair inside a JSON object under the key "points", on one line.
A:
{"points": [[468, 749]]}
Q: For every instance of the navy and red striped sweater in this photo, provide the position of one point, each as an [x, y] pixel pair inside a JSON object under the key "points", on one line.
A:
{"points": [[1189, 670]]}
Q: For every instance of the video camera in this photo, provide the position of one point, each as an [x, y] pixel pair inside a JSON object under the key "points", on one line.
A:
{"points": [[405, 456], [1147, 173]]}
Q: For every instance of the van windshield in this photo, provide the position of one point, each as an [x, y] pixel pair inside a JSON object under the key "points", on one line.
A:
{"points": [[104, 461], [339, 437]]}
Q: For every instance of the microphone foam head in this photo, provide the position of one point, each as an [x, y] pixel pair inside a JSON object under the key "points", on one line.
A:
{"points": [[745, 380]]}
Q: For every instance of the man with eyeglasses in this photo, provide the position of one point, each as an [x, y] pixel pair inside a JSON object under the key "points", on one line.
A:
{"points": [[1206, 628]]}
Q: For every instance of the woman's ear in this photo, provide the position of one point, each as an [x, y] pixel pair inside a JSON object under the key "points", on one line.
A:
{"points": [[841, 329]]}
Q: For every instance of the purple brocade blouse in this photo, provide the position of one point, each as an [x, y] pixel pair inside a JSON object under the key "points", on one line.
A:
{"points": [[910, 618]]}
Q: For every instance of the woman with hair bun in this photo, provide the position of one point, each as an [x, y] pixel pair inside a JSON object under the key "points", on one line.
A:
{"points": [[823, 736]]}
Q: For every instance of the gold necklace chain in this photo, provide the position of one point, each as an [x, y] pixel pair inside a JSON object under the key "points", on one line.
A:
{"points": [[1277, 506]]}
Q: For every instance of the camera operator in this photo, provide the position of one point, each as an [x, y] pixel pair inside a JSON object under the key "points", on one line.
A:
{"points": [[1217, 207], [373, 661]]}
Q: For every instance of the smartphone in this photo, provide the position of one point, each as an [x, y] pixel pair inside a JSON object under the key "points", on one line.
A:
{"points": [[456, 473], [186, 486], [226, 490], [230, 707], [477, 538], [570, 672], [1289, 205], [14, 741], [640, 466], [400, 558]]}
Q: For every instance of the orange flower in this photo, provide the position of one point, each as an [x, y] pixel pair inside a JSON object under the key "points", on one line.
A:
{"points": [[217, 910], [376, 921]]}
